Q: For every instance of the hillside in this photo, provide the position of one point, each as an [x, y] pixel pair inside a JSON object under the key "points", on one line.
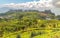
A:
{"points": [[29, 24], [19, 13]]}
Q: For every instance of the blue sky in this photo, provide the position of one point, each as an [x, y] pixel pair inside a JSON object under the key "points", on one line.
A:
{"points": [[14, 1]]}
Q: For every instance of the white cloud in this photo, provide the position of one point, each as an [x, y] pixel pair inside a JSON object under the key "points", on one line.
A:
{"points": [[58, 3], [37, 5], [34, 4]]}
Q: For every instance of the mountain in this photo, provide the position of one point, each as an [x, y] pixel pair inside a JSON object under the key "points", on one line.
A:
{"points": [[16, 14], [4, 9]]}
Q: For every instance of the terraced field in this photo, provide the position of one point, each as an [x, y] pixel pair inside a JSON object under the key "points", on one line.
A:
{"points": [[35, 33], [16, 24]]}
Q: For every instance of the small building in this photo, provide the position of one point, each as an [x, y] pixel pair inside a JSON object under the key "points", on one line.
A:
{"points": [[48, 18]]}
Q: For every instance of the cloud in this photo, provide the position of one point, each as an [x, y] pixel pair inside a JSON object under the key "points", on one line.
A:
{"points": [[57, 4], [30, 5], [54, 5]]}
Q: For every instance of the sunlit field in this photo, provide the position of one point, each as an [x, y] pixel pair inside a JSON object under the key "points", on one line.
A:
{"points": [[49, 29], [32, 24]]}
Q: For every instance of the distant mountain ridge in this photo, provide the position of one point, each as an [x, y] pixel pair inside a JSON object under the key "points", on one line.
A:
{"points": [[16, 13]]}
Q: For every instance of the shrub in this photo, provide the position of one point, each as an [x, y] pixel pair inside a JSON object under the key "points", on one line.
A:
{"points": [[18, 36]]}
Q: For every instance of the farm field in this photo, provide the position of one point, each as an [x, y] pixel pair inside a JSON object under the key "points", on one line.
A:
{"points": [[54, 33]]}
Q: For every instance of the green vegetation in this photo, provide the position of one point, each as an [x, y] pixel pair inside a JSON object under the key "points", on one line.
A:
{"points": [[29, 24]]}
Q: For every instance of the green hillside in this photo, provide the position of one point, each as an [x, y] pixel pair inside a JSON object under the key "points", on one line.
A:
{"points": [[29, 24]]}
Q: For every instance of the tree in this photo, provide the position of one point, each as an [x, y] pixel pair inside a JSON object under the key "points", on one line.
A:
{"points": [[58, 17], [18, 36]]}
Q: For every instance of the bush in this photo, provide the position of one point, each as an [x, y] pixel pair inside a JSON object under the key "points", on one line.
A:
{"points": [[18, 36]]}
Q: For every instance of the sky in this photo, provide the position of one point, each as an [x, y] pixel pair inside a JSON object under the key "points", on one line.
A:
{"points": [[14, 1], [53, 5]]}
